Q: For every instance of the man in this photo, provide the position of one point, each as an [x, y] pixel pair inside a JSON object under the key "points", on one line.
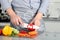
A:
{"points": [[25, 11]]}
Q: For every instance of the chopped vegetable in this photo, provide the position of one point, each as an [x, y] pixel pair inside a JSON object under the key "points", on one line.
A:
{"points": [[22, 34], [32, 33], [15, 31]]}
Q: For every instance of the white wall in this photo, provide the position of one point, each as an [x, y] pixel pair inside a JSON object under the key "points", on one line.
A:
{"points": [[54, 11], [54, 8]]}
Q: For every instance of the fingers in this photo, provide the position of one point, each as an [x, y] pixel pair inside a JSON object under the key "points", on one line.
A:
{"points": [[16, 21], [37, 23], [20, 21]]}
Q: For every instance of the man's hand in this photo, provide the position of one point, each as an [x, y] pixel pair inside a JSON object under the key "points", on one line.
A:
{"points": [[16, 20], [37, 18], [35, 22]]}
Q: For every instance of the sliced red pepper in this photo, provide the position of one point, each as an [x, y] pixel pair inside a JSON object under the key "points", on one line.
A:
{"points": [[31, 29], [23, 32]]}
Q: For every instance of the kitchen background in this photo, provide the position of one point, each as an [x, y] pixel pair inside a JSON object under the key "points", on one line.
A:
{"points": [[52, 20]]}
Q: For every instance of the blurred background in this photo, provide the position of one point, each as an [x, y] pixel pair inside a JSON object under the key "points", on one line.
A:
{"points": [[52, 20]]}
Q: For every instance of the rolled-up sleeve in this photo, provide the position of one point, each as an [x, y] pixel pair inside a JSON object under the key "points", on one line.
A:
{"points": [[5, 4], [44, 6]]}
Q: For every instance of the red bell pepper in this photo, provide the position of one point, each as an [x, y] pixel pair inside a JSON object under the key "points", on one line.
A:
{"points": [[31, 29], [0, 31]]}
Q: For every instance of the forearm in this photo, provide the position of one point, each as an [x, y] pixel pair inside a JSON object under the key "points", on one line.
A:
{"points": [[39, 16], [10, 12], [14, 19]]}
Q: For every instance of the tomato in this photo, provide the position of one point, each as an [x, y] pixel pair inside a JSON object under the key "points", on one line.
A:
{"points": [[0, 31]]}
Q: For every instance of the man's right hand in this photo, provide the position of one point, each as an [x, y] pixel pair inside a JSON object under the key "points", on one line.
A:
{"points": [[16, 20]]}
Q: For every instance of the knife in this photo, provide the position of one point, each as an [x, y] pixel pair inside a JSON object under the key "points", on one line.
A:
{"points": [[25, 26]]}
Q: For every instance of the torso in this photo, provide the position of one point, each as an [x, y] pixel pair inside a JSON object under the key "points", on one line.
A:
{"points": [[26, 9]]}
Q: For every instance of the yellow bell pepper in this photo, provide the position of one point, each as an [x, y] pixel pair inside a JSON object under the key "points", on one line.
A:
{"points": [[7, 30]]}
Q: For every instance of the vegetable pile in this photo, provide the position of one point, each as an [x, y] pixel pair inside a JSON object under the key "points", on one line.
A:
{"points": [[10, 31]]}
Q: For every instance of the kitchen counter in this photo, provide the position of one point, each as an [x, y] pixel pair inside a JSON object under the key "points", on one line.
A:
{"points": [[44, 36], [52, 32]]}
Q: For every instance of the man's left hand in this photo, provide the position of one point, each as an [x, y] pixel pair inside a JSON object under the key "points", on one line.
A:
{"points": [[37, 18]]}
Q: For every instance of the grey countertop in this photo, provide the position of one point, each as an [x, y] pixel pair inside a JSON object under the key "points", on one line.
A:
{"points": [[44, 36], [52, 31]]}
